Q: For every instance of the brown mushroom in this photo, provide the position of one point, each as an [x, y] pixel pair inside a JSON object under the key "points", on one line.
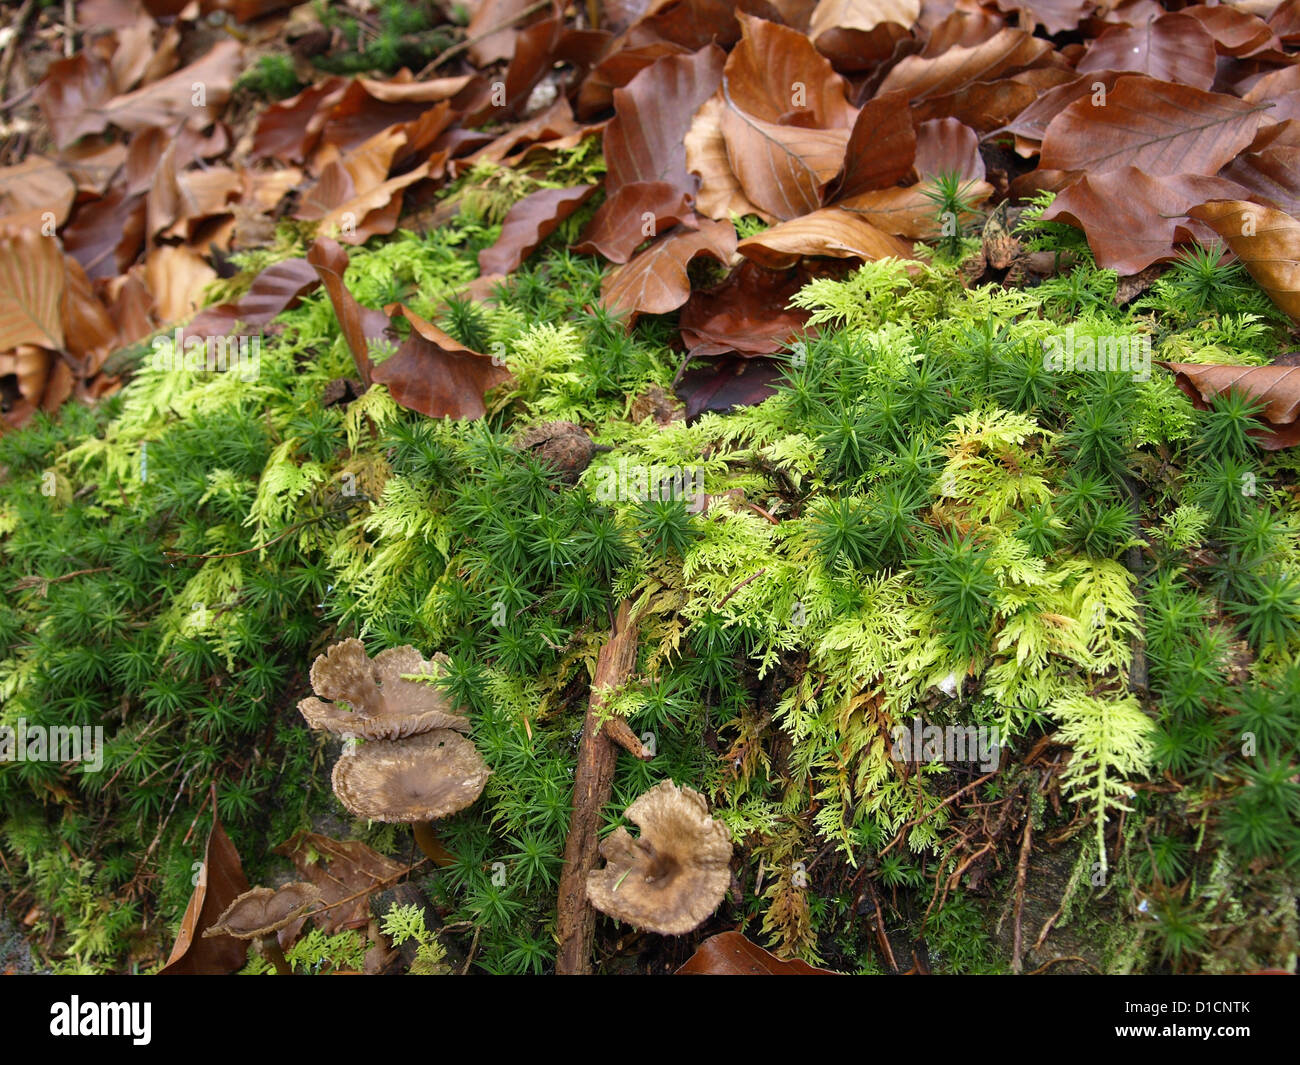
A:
{"points": [[415, 780], [261, 912], [672, 877], [383, 705]]}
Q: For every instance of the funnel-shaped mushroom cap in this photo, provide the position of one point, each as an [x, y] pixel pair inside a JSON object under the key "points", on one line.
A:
{"points": [[422, 778], [264, 910], [384, 707], [675, 875]]}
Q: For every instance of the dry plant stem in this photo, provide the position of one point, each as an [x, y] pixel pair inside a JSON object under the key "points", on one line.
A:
{"points": [[271, 952], [1022, 870], [593, 781], [469, 42], [18, 25], [430, 845]]}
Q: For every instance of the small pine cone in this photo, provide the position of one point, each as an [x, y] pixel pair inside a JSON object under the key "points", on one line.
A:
{"points": [[563, 446]]}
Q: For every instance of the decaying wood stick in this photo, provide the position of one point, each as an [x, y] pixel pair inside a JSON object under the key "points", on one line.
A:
{"points": [[592, 782]]}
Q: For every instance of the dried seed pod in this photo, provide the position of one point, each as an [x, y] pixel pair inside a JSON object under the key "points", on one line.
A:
{"points": [[563, 446]]}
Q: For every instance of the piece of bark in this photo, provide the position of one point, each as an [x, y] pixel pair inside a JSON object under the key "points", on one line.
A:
{"points": [[593, 781]]}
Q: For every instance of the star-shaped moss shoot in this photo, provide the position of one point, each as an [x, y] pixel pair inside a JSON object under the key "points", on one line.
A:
{"points": [[672, 877], [371, 700]]}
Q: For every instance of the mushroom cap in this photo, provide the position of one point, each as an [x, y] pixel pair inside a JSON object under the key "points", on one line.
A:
{"points": [[421, 778], [384, 707], [675, 875], [263, 910]]}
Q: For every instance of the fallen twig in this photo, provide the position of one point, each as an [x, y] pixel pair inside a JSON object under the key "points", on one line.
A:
{"points": [[593, 780]]}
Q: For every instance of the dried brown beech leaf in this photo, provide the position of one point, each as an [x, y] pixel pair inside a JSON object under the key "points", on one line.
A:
{"points": [[432, 374], [855, 51], [358, 324], [93, 163], [88, 329], [720, 195], [1235, 32], [1132, 219], [989, 105], [861, 15], [957, 29], [831, 231], [656, 281], [354, 215], [881, 147], [221, 881], [1265, 240], [368, 107], [726, 382], [106, 235], [645, 141], [288, 130], [31, 290], [690, 23], [782, 169], [1033, 121], [554, 128], [1008, 52], [32, 369], [72, 94], [776, 75], [177, 276], [596, 93], [731, 954], [748, 312], [35, 194], [1272, 175], [492, 47], [528, 223], [1276, 389], [1173, 47], [909, 212], [629, 218], [675, 874], [1056, 16], [1285, 21], [1159, 127], [944, 145], [172, 100], [275, 289], [340, 869]]}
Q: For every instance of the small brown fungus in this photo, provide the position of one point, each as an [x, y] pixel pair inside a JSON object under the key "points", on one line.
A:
{"points": [[415, 780], [672, 877], [261, 912], [383, 705]]}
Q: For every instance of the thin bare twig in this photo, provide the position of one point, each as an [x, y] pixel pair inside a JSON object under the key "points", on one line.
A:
{"points": [[470, 42]]}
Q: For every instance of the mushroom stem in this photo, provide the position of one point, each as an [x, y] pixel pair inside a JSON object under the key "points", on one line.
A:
{"points": [[271, 952], [431, 846]]}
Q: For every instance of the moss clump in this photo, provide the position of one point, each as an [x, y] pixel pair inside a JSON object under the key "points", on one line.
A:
{"points": [[926, 520]]}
